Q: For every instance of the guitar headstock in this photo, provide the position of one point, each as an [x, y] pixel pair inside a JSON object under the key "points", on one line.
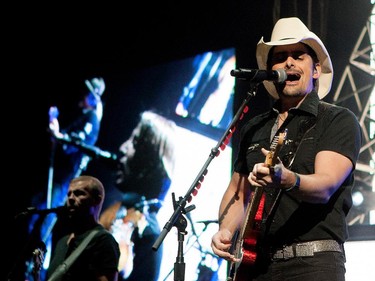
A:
{"points": [[277, 142]]}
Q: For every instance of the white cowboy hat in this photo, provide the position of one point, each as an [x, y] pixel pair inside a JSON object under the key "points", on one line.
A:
{"points": [[291, 31], [96, 86]]}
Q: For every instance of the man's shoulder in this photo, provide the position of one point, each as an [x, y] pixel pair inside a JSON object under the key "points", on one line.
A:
{"points": [[104, 239], [103, 233], [101, 230], [335, 109]]}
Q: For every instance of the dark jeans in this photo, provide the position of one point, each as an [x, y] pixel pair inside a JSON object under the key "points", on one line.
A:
{"points": [[322, 266]]}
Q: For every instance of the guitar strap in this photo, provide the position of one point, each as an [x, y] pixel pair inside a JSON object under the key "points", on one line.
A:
{"points": [[272, 201], [58, 274]]}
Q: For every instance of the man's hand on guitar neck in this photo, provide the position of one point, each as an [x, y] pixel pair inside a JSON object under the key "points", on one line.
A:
{"points": [[277, 175]]}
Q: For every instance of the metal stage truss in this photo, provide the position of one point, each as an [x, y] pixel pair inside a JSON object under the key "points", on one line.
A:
{"points": [[356, 92]]}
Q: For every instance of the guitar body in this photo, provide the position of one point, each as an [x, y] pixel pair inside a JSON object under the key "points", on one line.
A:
{"points": [[246, 242]]}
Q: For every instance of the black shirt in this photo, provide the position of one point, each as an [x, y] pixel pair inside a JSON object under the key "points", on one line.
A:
{"points": [[314, 126], [100, 256]]}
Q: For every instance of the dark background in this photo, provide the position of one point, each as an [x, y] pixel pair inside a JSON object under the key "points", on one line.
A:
{"points": [[48, 51]]}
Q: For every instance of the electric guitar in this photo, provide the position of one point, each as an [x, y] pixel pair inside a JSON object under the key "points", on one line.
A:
{"points": [[38, 259], [245, 247]]}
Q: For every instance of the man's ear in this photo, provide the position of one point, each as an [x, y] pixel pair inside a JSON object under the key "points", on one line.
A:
{"points": [[317, 70], [97, 200]]}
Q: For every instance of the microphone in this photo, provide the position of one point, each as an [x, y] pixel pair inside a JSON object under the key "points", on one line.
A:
{"points": [[257, 75], [32, 210]]}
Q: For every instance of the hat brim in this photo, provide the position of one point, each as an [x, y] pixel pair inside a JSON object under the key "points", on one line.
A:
{"points": [[324, 82]]}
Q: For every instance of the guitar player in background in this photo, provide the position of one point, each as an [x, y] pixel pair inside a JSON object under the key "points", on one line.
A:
{"points": [[79, 129], [98, 260], [301, 230]]}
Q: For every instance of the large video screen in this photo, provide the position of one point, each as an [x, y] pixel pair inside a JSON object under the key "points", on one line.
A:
{"points": [[203, 111], [197, 94]]}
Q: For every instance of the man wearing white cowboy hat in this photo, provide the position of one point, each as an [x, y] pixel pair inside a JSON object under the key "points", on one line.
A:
{"points": [[295, 228]]}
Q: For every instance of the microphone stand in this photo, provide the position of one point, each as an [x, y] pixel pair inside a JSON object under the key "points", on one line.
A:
{"points": [[181, 223], [177, 219], [90, 150], [196, 241]]}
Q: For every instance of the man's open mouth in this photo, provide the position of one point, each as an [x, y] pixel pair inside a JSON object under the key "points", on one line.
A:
{"points": [[293, 77]]}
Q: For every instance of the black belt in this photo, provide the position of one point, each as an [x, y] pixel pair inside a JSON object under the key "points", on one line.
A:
{"points": [[307, 249]]}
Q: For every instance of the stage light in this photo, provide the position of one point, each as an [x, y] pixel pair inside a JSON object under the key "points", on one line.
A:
{"points": [[357, 198]]}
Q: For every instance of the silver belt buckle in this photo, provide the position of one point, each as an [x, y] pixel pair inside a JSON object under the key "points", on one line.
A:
{"points": [[288, 252], [304, 250]]}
